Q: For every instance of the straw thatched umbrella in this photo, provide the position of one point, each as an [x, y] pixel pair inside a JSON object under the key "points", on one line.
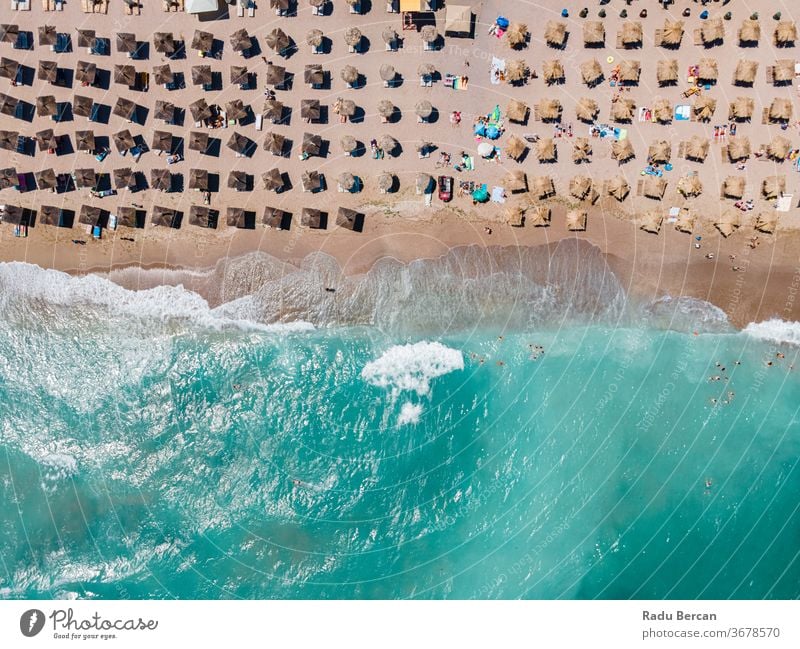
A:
{"points": [[387, 143], [429, 34], [198, 141], [47, 140], [654, 187], [539, 216], [543, 187], [660, 152], [349, 219], [727, 223], [586, 109], [667, 72], [783, 72], [348, 143], [164, 42], [580, 187], [671, 34], [50, 215], [8, 104], [346, 181], [200, 110], [741, 109], [651, 222], [423, 109], [622, 151], [313, 75], [273, 180], [9, 33], [8, 140], [576, 220], [311, 218], [235, 109], [352, 37], [48, 71], [745, 73], [733, 187], [312, 144], [202, 41], [662, 111], [707, 71], [704, 107], [618, 188], [712, 32], [315, 37], [198, 180], [84, 178], [201, 75], [8, 177], [387, 72], [349, 74], [515, 215], [84, 140], [591, 73], [310, 109], [46, 179], [738, 148], [623, 110], [82, 106], [239, 143], [86, 38], [123, 140], [385, 108], [275, 143], [125, 75], [517, 111], [515, 147], [123, 178], [517, 71], [241, 41], [785, 33], [9, 68], [549, 110], [164, 217], [162, 141], [749, 32], [690, 186], [124, 108], [766, 222], [202, 216], [555, 34], [546, 150], [630, 35], [696, 148], [516, 182], [685, 221], [780, 110], [239, 75], [311, 181], [581, 150], [90, 215], [277, 40], [47, 35], [426, 69], [276, 218], [594, 34], [424, 183], [85, 72], [275, 75], [779, 148], [162, 74], [46, 106], [385, 182], [237, 180], [553, 72], [517, 35], [629, 72], [389, 36], [273, 110], [773, 187]]}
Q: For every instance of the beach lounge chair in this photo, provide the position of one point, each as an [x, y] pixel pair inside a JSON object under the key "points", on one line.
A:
{"points": [[240, 9], [251, 10], [391, 7], [14, 5], [355, 8]]}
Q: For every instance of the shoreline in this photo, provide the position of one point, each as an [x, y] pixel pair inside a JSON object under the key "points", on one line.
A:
{"points": [[647, 266]]}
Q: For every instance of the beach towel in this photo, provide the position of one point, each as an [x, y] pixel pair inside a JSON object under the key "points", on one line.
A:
{"points": [[498, 195], [682, 113], [498, 67], [460, 83], [495, 115]]}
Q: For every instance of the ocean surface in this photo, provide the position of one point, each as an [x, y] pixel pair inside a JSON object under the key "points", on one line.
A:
{"points": [[419, 433]]}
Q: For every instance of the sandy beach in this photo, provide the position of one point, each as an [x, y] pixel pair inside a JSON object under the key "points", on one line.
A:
{"points": [[399, 224]]}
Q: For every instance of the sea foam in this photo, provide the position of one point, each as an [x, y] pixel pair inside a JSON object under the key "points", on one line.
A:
{"points": [[775, 330], [412, 366]]}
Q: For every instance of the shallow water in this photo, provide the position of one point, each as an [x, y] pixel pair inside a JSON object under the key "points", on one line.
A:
{"points": [[155, 447]]}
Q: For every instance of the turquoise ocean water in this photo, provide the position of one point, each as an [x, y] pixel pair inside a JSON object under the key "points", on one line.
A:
{"points": [[153, 447]]}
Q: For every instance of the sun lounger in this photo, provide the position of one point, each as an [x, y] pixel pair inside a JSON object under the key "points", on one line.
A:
{"points": [[355, 9], [251, 10], [659, 37], [698, 37], [390, 7], [316, 11], [240, 9], [14, 5], [24, 5]]}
